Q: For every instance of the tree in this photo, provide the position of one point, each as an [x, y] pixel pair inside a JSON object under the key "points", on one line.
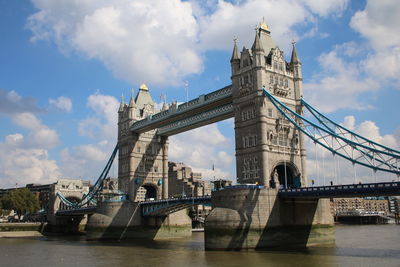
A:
{"points": [[21, 200]]}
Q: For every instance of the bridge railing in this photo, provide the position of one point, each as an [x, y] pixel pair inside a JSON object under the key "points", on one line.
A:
{"points": [[386, 188]]}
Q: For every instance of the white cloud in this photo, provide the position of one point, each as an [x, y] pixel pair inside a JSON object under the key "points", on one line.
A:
{"points": [[159, 41], [340, 83], [378, 23], [62, 103], [20, 164], [40, 135], [104, 124], [323, 167], [134, 39], [88, 160], [202, 148], [325, 8]]}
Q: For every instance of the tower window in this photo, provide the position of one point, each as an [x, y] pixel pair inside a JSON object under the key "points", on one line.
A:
{"points": [[286, 83], [271, 79], [276, 79], [270, 112]]}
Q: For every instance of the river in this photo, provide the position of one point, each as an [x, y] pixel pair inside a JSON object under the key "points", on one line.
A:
{"points": [[363, 245]]}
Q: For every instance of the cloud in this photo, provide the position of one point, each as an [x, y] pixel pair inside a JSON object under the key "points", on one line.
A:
{"points": [[88, 160], [40, 135], [134, 39], [11, 102], [341, 81], [138, 39], [323, 167], [103, 125], [20, 164], [202, 148], [62, 103], [378, 24]]}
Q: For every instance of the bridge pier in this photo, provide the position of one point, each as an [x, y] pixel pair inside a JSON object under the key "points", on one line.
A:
{"points": [[257, 219], [123, 220]]}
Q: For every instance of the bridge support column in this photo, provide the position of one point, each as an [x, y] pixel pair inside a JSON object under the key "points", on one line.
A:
{"points": [[164, 148], [123, 220], [258, 219]]}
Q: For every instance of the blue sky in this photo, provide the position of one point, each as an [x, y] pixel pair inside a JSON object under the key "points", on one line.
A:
{"points": [[66, 64]]}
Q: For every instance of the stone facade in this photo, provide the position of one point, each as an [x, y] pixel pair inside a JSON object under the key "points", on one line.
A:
{"points": [[183, 181], [265, 142], [142, 158]]}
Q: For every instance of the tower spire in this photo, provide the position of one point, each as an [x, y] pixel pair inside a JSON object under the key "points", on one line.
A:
{"points": [[121, 106], [257, 44], [294, 59], [235, 53], [132, 101]]}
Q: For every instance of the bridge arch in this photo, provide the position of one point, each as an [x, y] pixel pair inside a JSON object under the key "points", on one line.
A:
{"points": [[151, 191], [288, 175], [73, 199]]}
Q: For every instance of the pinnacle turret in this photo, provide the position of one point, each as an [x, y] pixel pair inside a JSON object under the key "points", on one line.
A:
{"points": [[235, 53], [122, 105], [294, 59], [132, 101], [257, 47]]}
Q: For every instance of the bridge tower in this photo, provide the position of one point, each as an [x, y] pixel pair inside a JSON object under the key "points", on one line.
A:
{"points": [[269, 150], [142, 158]]}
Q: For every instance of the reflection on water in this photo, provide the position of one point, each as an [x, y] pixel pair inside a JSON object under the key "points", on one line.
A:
{"points": [[371, 245]]}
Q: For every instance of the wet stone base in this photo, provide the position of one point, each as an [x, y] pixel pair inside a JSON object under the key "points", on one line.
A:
{"points": [[280, 237], [256, 218], [137, 232]]}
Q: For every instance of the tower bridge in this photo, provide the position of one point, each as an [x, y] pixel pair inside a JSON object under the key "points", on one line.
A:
{"points": [[266, 101]]}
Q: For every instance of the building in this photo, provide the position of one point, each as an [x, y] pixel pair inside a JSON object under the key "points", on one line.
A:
{"points": [[45, 193], [221, 183], [346, 205], [42, 192], [182, 181]]}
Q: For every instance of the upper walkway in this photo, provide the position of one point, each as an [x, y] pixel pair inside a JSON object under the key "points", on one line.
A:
{"points": [[205, 109]]}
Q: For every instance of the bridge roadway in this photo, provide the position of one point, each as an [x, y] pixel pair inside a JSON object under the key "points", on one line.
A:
{"points": [[167, 206]]}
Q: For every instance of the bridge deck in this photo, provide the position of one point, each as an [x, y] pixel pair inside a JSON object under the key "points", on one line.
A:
{"points": [[167, 206], [338, 191]]}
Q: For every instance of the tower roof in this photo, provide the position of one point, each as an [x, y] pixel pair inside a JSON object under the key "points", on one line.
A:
{"points": [[143, 97], [294, 58], [266, 41]]}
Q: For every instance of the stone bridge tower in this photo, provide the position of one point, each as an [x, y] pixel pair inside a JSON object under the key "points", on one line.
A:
{"points": [[142, 158], [269, 150]]}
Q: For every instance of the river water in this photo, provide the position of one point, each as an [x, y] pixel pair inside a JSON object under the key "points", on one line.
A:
{"points": [[366, 245]]}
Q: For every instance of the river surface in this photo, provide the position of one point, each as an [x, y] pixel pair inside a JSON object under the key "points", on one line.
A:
{"points": [[367, 245]]}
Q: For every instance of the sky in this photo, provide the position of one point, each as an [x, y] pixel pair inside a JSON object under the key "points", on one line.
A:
{"points": [[66, 63]]}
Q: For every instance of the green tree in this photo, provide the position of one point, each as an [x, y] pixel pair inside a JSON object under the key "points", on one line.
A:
{"points": [[21, 200]]}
